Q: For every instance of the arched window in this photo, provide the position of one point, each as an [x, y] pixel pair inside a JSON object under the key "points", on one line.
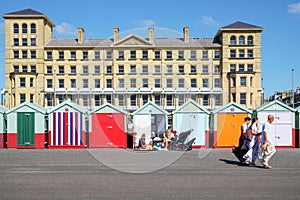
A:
{"points": [[24, 28], [241, 40], [33, 28], [250, 40], [232, 40], [16, 28]]}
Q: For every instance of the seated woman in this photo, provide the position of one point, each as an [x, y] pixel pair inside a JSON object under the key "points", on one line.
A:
{"points": [[142, 143], [167, 139]]}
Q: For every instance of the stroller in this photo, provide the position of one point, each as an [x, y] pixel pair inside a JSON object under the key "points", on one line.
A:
{"points": [[179, 142]]}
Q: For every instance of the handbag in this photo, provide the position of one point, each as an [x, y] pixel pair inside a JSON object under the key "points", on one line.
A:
{"points": [[248, 135]]}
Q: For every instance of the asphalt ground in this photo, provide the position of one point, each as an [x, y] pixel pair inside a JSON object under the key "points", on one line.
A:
{"points": [[124, 174]]}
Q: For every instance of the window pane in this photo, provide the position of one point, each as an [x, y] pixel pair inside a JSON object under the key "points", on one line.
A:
{"points": [[205, 83], [73, 69], [16, 41], [232, 53], [157, 54], [205, 54], [241, 40], [181, 83], [24, 28], [16, 28], [169, 83], [145, 54], [232, 68], [241, 53], [169, 54], [193, 54], [250, 40], [205, 69], [243, 81], [145, 69], [217, 54], [243, 98], [132, 54], [232, 40], [33, 41], [33, 28]]}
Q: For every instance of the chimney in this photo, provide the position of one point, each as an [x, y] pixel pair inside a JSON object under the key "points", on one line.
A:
{"points": [[151, 34], [186, 34], [116, 34], [80, 35]]}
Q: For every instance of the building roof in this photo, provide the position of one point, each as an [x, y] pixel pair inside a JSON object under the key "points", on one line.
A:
{"points": [[33, 106], [241, 25], [275, 105], [158, 42], [27, 13], [69, 104]]}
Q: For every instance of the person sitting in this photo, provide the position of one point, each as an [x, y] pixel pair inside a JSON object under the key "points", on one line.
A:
{"points": [[167, 139], [142, 143]]}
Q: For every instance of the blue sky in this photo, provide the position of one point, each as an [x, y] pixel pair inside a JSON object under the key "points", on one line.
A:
{"points": [[280, 19]]}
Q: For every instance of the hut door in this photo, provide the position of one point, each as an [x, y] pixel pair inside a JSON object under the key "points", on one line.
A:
{"points": [[195, 121], [25, 128], [281, 128], [229, 128]]}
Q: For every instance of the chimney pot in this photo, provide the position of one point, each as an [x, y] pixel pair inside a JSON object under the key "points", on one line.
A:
{"points": [[80, 35], [186, 34], [116, 34], [151, 34]]}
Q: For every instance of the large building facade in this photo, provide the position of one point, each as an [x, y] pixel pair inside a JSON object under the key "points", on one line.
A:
{"points": [[132, 70]]}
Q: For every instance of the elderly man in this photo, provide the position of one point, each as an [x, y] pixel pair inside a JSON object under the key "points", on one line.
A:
{"points": [[267, 144]]}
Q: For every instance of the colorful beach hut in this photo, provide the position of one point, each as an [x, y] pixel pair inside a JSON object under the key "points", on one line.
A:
{"points": [[3, 134], [283, 129], [227, 121], [150, 118], [26, 126], [191, 116], [108, 128], [66, 126]]}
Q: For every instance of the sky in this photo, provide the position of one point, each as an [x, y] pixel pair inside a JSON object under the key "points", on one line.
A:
{"points": [[279, 18]]}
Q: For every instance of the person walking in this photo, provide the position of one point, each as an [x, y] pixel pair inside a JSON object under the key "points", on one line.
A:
{"points": [[267, 144], [253, 145], [241, 149]]}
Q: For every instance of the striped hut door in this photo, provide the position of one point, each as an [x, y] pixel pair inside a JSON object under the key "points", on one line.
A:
{"points": [[66, 129]]}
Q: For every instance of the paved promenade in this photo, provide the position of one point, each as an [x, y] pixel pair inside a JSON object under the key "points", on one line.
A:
{"points": [[124, 174]]}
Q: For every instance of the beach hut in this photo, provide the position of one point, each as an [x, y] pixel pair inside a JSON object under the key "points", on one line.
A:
{"points": [[191, 116], [283, 129], [26, 126], [227, 121], [150, 118], [108, 128], [3, 134], [66, 126]]}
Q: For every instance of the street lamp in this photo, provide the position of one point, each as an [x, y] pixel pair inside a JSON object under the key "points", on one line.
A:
{"points": [[293, 93]]}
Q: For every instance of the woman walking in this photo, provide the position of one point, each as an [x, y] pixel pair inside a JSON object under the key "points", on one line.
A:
{"points": [[253, 147]]}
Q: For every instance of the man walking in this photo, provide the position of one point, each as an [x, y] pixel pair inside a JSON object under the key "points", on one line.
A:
{"points": [[267, 144]]}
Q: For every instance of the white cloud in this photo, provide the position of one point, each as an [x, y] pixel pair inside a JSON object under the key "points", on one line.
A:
{"points": [[145, 22], [66, 29], [294, 8], [209, 21]]}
